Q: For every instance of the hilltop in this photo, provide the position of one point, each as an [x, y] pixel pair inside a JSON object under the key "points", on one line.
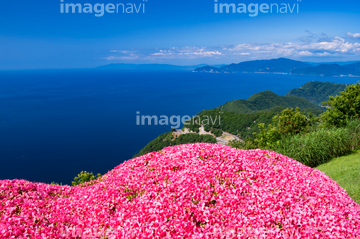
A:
{"points": [[267, 101]]}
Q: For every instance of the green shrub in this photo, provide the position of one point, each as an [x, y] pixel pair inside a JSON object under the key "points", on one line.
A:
{"points": [[55, 183], [268, 136], [247, 144], [84, 177], [237, 144]]}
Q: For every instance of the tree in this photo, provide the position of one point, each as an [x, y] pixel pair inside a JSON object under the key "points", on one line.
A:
{"points": [[217, 132], [292, 122], [341, 108]]}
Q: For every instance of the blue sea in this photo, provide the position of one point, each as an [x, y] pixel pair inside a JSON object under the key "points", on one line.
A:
{"points": [[56, 123]]}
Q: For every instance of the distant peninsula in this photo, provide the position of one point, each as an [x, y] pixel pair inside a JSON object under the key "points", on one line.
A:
{"points": [[148, 67], [273, 66]]}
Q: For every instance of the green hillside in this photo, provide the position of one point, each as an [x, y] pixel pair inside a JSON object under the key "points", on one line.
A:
{"points": [[242, 124], [168, 139], [242, 117], [267, 101], [317, 92], [345, 171]]}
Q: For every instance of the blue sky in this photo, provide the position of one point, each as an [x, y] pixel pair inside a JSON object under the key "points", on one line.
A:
{"points": [[35, 35]]}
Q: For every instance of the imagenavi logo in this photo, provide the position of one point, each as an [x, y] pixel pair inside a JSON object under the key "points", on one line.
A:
{"points": [[254, 9], [100, 9], [176, 120]]}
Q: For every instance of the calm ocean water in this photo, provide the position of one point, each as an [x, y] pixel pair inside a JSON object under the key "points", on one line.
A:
{"points": [[56, 123]]}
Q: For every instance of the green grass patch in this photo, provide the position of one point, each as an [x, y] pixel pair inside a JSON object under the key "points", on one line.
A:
{"points": [[346, 172], [322, 145]]}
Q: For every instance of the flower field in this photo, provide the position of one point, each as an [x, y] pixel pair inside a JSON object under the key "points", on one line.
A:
{"points": [[186, 191]]}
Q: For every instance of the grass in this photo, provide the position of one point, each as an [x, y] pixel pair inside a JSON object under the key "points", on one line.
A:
{"points": [[322, 145], [346, 172]]}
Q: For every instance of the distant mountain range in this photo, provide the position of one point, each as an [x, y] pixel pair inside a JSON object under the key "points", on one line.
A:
{"points": [[330, 70], [341, 63], [281, 65], [286, 66]]}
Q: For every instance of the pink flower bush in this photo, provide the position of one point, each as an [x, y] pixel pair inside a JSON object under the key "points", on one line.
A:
{"points": [[186, 191]]}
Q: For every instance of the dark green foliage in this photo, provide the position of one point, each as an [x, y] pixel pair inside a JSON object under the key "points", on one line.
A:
{"points": [[247, 144], [157, 144], [238, 124], [317, 92], [343, 107], [168, 139], [268, 101], [217, 132], [207, 128], [194, 138], [292, 122], [84, 177], [237, 144]]}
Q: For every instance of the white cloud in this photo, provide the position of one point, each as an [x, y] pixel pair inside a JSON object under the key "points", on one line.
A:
{"points": [[123, 55], [315, 46], [334, 46], [242, 54], [353, 35], [305, 53], [188, 51]]}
